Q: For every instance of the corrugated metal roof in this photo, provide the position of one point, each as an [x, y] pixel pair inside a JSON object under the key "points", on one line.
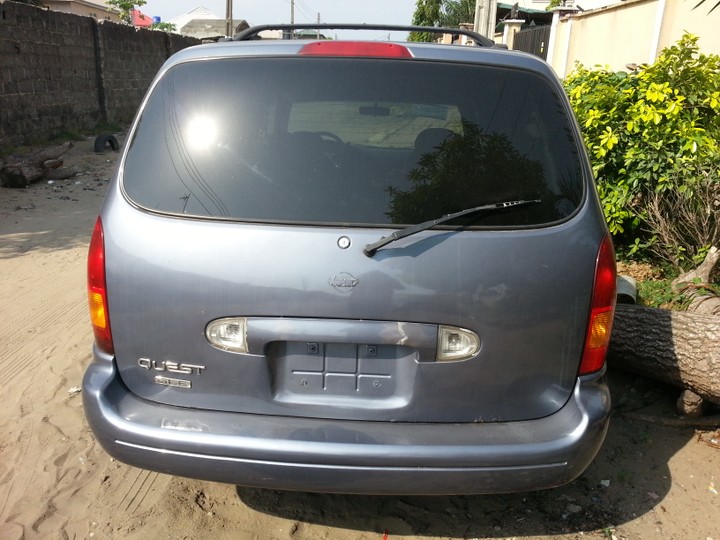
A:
{"points": [[521, 9]]}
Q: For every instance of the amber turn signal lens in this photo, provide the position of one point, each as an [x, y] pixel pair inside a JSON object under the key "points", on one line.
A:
{"points": [[97, 310]]}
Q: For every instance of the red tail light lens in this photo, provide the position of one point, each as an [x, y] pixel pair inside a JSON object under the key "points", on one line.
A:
{"points": [[602, 310], [355, 48], [97, 291]]}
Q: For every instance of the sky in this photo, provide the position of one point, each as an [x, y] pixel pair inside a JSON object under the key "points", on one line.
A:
{"points": [[306, 11]]}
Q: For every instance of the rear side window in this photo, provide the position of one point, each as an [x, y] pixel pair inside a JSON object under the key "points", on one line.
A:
{"points": [[366, 142]]}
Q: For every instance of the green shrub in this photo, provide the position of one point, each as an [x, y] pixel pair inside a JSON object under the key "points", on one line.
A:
{"points": [[653, 130]]}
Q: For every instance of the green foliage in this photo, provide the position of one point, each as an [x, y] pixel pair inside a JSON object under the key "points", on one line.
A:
{"points": [[427, 13], [650, 131], [685, 222], [660, 294], [125, 7], [164, 26], [455, 12], [446, 13]]}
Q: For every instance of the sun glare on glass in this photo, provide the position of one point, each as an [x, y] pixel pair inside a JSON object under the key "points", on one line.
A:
{"points": [[201, 133]]}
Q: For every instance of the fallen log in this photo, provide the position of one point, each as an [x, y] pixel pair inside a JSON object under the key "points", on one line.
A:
{"points": [[676, 347], [21, 170]]}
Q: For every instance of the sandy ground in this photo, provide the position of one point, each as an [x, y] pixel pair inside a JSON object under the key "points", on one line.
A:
{"points": [[649, 481]]}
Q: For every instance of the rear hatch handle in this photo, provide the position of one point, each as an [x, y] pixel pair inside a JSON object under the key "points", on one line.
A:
{"points": [[371, 249]]}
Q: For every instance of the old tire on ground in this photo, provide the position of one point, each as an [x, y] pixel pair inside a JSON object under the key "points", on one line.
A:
{"points": [[102, 141]]}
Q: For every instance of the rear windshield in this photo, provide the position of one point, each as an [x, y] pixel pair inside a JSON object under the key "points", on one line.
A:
{"points": [[366, 142]]}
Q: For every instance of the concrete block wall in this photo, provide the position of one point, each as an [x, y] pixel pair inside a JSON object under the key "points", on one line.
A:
{"points": [[129, 60], [63, 72]]}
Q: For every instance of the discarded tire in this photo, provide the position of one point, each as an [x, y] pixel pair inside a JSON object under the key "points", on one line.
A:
{"points": [[102, 141]]}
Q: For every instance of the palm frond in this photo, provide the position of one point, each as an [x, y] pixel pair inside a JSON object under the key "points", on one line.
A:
{"points": [[701, 2]]}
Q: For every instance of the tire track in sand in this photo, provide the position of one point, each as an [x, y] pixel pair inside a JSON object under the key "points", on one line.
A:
{"points": [[39, 317], [43, 344], [141, 487]]}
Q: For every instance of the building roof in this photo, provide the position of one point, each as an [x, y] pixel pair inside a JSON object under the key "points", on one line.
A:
{"points": [[197, 13], [95, 4], [521, 9], [140, 20], [202, 23]]}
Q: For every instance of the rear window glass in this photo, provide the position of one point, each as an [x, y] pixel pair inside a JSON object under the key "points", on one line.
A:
{"points": [[353, 142]]}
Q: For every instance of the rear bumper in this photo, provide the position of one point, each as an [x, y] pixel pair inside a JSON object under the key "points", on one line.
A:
{"points": [[346, 456]]}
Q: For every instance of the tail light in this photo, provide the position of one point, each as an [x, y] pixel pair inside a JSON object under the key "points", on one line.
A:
{"points": [[97, 290], [602, 310]]}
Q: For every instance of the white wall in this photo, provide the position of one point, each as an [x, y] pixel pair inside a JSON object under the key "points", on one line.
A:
{"points": [[629, 32]]}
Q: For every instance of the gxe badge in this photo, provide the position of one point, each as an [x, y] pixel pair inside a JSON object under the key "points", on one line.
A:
{"points": [[171, 367]]}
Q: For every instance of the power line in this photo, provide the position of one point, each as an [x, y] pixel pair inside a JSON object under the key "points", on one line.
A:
{"points": [[297, 4], [304, 12]]}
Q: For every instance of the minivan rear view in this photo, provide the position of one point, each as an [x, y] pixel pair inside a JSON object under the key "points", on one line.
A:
{"points": [[355, 267]]}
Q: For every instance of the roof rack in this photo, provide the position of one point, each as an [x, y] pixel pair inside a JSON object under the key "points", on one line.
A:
{"points": [[254, 31]]}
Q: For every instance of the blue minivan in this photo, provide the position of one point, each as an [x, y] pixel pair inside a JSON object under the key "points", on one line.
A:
{"points": [[354, 267]]}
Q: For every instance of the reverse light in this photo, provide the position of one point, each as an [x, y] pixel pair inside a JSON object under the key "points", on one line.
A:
{"points": [[97, 290], [355, 48], [602, 311], [229, 334], [456, 344]]}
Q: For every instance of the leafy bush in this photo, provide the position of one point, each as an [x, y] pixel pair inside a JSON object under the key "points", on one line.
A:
{"points": [[650, 132], [686, 223]]}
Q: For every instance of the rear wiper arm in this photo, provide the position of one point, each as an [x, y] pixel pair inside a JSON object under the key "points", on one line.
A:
{"points": [[371, 249]]}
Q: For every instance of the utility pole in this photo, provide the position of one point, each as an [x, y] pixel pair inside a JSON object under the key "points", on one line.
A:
{"points": [[478, 11], [292, 11], [492, 18], [318, 29], [229, 30], [485, 15]]}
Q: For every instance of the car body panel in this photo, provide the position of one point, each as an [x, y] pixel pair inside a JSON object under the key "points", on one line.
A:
{"points": [[347, 457]]}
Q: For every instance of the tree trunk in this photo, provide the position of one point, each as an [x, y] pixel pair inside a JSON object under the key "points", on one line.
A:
{"points": [[677, 347], [22, 170]]}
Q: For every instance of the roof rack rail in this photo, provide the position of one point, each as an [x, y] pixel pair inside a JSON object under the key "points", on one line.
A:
{"points": [[254, 31]]}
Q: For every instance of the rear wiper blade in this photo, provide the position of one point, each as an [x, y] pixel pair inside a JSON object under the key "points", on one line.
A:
{"points": [[371, 249]]}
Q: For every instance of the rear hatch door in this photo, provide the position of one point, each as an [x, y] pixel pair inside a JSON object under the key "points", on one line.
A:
{"points": [[250, 201]]}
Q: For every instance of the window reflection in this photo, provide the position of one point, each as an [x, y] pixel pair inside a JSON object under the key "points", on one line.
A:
{"points": [[201, 132]]}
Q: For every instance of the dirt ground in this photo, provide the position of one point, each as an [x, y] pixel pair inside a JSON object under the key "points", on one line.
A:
{"points": [[649, 481]]}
